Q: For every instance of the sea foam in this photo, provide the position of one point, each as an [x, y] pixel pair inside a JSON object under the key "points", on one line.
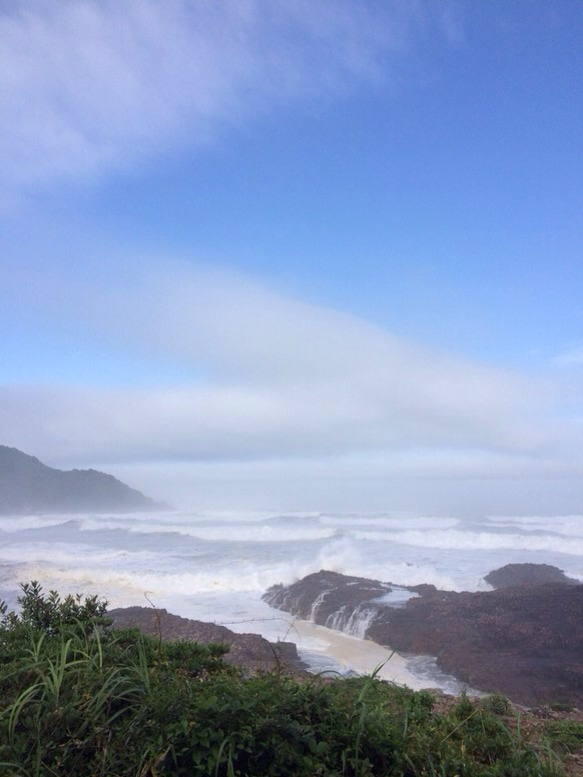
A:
{"points": [[215, 566]]}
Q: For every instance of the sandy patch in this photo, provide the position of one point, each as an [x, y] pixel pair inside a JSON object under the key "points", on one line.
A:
{"points": [[359, 655]]}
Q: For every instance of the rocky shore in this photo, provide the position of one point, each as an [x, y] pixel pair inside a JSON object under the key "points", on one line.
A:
{"points": [[524, 639], [250, 651]]}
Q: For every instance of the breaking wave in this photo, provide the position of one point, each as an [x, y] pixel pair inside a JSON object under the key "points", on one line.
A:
{"points": [[216, 565], [465, 540]]}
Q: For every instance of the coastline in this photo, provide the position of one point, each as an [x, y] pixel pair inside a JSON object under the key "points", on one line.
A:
{"points": [[361, 656], [521, 640], [334, 651]]}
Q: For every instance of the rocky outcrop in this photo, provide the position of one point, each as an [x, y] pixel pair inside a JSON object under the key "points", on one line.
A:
{"points": [[523, 641], [250, 651], [527, 574], [29, 486]]}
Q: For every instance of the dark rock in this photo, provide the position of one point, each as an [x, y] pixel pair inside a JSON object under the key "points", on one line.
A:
{"points": [[29, 486], [527, 574], [246, 650], [523, 641], [320, 596]]}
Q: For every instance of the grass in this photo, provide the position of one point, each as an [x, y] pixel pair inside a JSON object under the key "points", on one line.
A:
{"points": [[565, 735], [78, 698]]}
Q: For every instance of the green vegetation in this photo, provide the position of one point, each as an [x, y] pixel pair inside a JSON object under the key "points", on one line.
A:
{"points": [[497, 703], [565, 735], [78, 698]]}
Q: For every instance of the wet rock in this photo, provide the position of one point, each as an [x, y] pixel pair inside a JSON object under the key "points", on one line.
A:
{"points": [[250, 651], [523, 641], [321, 597], [527, 574]]}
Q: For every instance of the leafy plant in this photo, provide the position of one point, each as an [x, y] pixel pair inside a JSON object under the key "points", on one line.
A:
{"points": [[50, 613], [496, 703], [79, 698]]}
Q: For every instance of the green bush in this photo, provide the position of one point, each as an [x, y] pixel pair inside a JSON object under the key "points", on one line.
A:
{"points": [[78, 698], [496, 703], [50, 613]]}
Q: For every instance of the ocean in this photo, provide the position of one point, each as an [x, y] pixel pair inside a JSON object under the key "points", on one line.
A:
{"points": [[215, 566]]}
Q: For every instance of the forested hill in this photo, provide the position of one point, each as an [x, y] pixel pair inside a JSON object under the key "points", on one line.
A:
{"points": [[29, 486]]}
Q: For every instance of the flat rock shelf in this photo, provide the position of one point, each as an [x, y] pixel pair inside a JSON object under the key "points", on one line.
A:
{"points": [[525, 641]]}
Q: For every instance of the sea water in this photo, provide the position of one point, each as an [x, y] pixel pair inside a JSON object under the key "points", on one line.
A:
{"points": [[215, 566]]}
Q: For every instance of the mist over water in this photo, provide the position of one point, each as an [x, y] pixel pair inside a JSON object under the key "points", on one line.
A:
{"points": [[216, 566]]}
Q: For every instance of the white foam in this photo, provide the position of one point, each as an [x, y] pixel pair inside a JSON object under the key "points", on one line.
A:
{"points": [[389, 521], [372, 560], [71, 554], [203, 530], [16, 523], [396, 597], [465, 540], [354, 621], [570, 525], [215, 566], [361, 656]]}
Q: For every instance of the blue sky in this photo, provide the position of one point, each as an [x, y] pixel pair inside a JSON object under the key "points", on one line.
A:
{"points": [[313, 255]]}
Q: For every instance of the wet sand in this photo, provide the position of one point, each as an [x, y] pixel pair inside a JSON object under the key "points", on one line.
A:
{"points": [[360, 656]]}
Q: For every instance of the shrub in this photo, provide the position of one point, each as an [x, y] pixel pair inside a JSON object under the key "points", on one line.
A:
{"points": [[79, 698], [496, 703], [50, 613]]}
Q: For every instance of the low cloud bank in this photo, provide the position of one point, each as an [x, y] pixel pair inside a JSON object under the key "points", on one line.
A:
{"points": [[299, 405], [282, 379]]}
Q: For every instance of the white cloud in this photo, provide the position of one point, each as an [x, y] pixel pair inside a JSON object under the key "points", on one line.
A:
{"points": [[296, 405], [90, 86], [284, 378]]}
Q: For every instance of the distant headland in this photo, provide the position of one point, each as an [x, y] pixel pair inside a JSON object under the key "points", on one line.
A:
{"points": [[29, 486]]}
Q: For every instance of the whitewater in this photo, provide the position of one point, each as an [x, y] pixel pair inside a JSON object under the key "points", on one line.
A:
{"points": [[215, 566]]}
